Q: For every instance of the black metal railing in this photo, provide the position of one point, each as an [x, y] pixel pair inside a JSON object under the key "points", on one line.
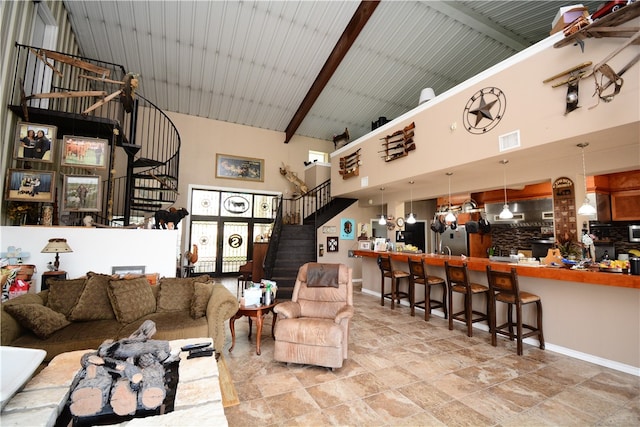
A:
{"points": [[60, 89]]}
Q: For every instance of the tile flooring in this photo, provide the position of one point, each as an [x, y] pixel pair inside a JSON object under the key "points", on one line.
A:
{"points": [[405, 371]]}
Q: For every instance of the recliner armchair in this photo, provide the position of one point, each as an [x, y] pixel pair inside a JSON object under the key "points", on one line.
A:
{"points": [[313, 328]]}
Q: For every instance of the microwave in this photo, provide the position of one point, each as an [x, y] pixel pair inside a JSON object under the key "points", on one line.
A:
{"points": [[634, 233]]}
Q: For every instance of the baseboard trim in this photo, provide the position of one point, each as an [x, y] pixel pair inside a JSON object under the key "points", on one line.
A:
{"points": [[607, 363]]}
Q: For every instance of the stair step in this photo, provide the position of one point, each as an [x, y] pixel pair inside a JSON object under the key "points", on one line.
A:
{"points": [[144, 162], [131, 149]]}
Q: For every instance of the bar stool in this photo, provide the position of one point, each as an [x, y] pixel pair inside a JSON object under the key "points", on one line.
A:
{"points": [[503, 287], [458, 281], [386, 270], [418, 274]]}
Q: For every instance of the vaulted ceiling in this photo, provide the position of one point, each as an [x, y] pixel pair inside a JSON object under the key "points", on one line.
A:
{"points": [[255, 62]]}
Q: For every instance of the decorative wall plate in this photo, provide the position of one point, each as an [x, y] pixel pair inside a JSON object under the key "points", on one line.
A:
{"points": [[484, 110], [400, 222]]}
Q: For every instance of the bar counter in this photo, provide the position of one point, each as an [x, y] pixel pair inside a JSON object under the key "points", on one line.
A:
{"points": [[479, 264], [590, 315]]}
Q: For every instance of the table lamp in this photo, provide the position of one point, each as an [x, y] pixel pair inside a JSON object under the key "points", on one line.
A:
{"points": [[56, 246]]}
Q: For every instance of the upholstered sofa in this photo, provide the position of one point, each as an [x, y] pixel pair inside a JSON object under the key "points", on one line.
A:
{"points": [[81, 313]]}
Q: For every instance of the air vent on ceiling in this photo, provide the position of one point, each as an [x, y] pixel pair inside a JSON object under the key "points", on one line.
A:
{"points": [[509, 140]]}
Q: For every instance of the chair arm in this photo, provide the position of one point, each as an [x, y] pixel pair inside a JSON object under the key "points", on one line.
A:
{"points": [[345, 312], [222, 305], [288, 309]]}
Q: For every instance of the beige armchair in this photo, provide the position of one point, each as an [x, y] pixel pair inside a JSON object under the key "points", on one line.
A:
{"points": [[313, 328]]}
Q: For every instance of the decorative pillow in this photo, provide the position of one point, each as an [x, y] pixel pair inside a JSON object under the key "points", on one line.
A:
{"points": [[131, 299], [64, 294], [41, 320], [175, 294], [93, 303], [201, 294]]}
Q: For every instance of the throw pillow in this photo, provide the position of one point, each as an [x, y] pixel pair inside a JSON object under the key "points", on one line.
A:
{"points": [[64, 294], [93, 303], [201, 294], [131, 299], [41, 320], [175, 294]]}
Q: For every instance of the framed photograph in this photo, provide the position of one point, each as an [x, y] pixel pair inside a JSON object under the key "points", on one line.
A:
{"points": [[84, 152], [81, 193], [332, 244], [347, 229], [35, 142], [30, 185], [235, 167], [364, 245], [123, 270]]}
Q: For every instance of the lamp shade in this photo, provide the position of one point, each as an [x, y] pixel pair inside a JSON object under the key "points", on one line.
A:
{"points": [[427, 94], [57, 245]]}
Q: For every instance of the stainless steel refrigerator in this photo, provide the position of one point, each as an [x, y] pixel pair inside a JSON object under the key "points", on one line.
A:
{"points": [[456, 240]]}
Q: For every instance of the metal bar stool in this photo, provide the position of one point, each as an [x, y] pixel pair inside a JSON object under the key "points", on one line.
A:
{"points": [[386, 270], [418, 274], [458, 281], [503, 287]]}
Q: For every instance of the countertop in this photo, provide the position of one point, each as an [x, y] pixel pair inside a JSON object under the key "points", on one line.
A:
{"points": [[552, 273]]}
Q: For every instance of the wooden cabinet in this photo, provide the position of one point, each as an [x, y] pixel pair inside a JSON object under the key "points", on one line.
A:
{"points": [[625, 205]]}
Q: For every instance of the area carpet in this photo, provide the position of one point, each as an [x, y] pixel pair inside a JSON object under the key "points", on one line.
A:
{"points": [[229, 394]]}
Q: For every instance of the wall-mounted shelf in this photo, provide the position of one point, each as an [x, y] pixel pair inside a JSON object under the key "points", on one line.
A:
{"points": [[607, 27]]}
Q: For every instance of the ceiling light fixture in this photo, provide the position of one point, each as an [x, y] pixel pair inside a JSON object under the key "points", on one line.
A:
{"points": [[506, 213], [382, 220], [450, 217], [586, 208], [411, 219]]}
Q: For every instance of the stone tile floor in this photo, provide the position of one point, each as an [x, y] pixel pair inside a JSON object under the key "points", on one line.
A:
{"points": [[405, 371]]}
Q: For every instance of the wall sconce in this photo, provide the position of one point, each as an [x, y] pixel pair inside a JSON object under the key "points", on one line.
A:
{"points": [[382, 220], [56, 246], [411, 219], [506, 213], [586, 208]]}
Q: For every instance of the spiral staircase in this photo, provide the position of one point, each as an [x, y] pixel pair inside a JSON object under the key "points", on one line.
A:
{"points": [[49, 91]]}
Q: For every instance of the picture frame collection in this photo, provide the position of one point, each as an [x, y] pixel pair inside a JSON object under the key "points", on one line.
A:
{"points": [[36, 143]]}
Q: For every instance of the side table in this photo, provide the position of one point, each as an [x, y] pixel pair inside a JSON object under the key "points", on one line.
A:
{"points": [[257, 313], [48, 275]]}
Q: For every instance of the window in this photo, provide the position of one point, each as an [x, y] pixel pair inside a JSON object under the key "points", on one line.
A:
{"points": [[318, 156]]}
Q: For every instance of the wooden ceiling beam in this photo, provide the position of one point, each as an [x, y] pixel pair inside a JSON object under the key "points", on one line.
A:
{"points": [[348, 37]]}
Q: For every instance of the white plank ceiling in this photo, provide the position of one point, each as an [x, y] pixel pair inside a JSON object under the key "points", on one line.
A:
{"points": [[253, 62]]}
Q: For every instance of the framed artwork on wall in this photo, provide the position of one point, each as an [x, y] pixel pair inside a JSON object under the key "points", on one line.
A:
{"points": [[347, 229], [35, 142], [332, 244], [123, 270], [81, 193], [29, 185], [84, 152], [236, 167]]}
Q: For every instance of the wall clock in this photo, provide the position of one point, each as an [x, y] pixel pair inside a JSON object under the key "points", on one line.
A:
{"points": [[484, 110]]}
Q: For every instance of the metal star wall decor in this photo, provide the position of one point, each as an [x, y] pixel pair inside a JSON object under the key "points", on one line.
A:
{"points": [[484, 110]]}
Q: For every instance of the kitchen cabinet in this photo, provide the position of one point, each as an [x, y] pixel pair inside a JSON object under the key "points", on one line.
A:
{"points": [[625, 205]]}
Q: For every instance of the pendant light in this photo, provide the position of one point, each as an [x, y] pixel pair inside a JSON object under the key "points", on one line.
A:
{"points": [[586, 208], [382, 220], [506, 213], [411, 219], [450, 217]]}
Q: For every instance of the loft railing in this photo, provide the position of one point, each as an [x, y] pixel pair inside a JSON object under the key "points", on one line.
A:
{"points": [[58, 89]]}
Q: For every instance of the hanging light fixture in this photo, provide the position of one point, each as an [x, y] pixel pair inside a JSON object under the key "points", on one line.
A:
{"points": [[506, 213], [586, 208], [382, 220], [411, 219], [450, 217]]}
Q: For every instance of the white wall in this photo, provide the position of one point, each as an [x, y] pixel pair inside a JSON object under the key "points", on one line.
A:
{"points": [[95, 249]]}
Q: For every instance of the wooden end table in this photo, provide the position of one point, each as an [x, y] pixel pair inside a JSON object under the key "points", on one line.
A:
{"points": [[257, 313]]}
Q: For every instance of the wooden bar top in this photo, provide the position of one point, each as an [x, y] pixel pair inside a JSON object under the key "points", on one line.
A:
{"points": [[479, 264]]}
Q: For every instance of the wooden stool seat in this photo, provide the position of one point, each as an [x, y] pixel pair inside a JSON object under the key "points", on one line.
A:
{"points": [[458, 281], [503, 287], [387, 271], [418, 275]]}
